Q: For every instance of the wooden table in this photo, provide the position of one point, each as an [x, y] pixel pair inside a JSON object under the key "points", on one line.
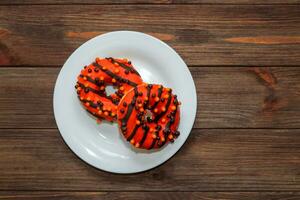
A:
{"points": [[244, 56]]}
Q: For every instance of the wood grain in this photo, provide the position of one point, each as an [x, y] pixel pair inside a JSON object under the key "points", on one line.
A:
{"points": [[210, 160], [150, 195], [232, 97], [257, 35], [99, 2]]}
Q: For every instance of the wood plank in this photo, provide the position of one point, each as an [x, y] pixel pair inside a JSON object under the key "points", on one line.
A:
{"points": [[150, 195], [203, 34], [210, 160], [233, 97], [103, 2]]}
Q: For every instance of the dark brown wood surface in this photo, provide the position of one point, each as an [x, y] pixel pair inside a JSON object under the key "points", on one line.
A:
{"points": [[149, 195], [244, 56], [124, 2], [244, 35]]}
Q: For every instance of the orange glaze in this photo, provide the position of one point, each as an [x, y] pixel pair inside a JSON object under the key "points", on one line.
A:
{"points": [[157, 130], [94, 78]]}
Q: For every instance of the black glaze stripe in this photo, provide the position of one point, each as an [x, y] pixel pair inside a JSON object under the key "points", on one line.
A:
{"points": [[167, 107], [118, 78], [153, 144], [98, 93], [130, 107], [133, 132], [91, 103], [144, 136], [91, 89], [148, 92], [167, 128], [89, 79], [124, 66], [159, 96], [95, 114]]}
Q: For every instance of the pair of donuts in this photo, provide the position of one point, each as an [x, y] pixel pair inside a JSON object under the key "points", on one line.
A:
{"points": [[147, 114]]}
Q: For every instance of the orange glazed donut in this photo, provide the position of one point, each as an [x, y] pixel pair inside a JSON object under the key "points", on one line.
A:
{"points": [[94, 78], [152, 131]]}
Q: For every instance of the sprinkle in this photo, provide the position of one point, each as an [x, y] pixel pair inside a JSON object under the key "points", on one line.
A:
{"points": [[132, 141], [84, 78], [163, 120], [81, 98], [156, 99], [104, 68], [137, 145], [142, 110], [173, 108], [101, 78], [163, 109], [113, 80], [122, 110], [138, 122], [89, 70], [117, 64], [100, 112], [124, 104], [79, 88], [140, 105], [153, 136], [170, 136], [113, 114], [152, 130], [109, 109], [122, 88], [88, 98], [106, 113], [146, 99], [166, 96], [87, 104], [162, 139], [155, 110], [86, 85], [102, 88], [117, 71]]}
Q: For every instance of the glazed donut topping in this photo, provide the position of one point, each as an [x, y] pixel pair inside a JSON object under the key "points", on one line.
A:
{"points": [[148, 116], [92, 82]]}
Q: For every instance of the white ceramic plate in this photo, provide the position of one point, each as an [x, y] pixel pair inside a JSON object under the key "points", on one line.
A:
{"points": [[102, 145]]}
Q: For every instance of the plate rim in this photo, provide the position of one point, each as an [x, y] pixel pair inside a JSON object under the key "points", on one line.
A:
{"points": [[70, 145]]}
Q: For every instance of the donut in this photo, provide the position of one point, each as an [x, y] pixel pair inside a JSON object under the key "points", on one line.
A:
{"points": [[148, 116], [93, 80]]}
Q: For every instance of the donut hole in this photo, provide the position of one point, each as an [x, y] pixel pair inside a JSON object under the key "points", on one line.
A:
{"points": [[148, 113], [110, 90]]}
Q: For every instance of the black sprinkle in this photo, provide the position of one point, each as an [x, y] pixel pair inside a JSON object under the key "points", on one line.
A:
{"points": [[162, 99], [124, 104], [89, 70], [126, 72], [153, 95], [86, 90], [140, 94]]}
